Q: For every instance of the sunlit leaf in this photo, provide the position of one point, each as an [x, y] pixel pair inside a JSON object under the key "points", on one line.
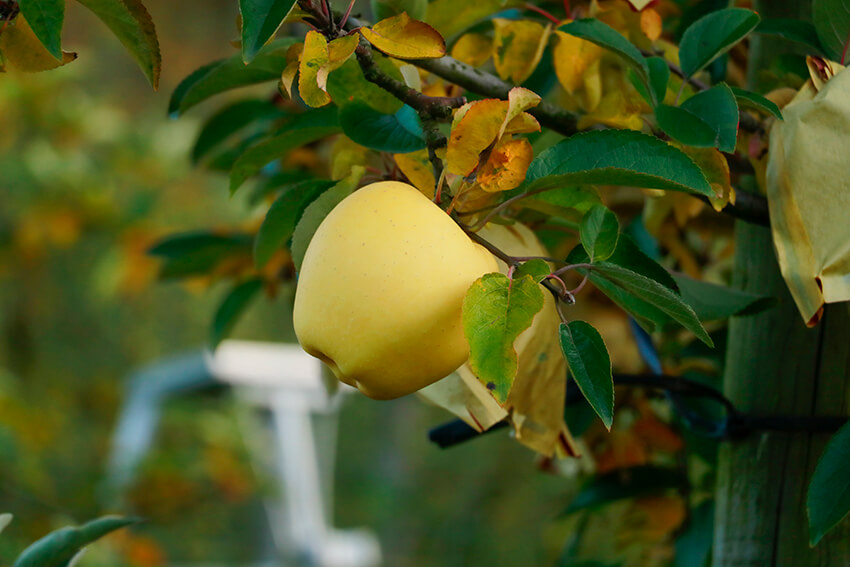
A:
{"points": [[58, 548], [707, 119], [590, 366], [616, 157], [517, 47], [599, 231], [232, 307], [405, 38], [713, 35], [45, 17], [131, 23], [828, 500], [496, 310], [260, 20], [313, 58]]}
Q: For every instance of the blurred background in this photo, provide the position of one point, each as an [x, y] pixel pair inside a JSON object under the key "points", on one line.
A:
{"points": [[92, 173]]}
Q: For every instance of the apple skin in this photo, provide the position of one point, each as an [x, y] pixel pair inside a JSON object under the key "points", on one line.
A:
{"points": [[381, 289]]}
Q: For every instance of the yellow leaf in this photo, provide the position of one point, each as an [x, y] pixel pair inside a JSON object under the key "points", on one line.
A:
{"points": [[417, 168], [522, 124], [616, 111], [346, 154], [591, 95], [450, 17], [339, 50], [640, 4], [520, 100], [20, 49], [404, 38], [287, 77], [716, 170], [572, 56], [651, 24], [473, 49], [505, 168], [475, 127], [517, 47], [313, 59]]}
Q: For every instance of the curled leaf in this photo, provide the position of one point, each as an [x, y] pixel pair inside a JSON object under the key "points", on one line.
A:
{"points": [[22, 50], [517, 47]]}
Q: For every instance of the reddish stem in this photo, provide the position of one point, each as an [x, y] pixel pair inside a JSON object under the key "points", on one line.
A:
{"points": [[567, 9], [844, 53], [542, 12], [347, 13]]}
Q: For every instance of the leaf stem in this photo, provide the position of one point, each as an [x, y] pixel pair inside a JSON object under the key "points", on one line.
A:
{"points": [[542, 12], [346, 15]]}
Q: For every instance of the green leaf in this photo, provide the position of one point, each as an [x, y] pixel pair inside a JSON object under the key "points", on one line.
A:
{"points": [[537, 268], [232, 307], [283, 181], [707, 119], [563, 202], [383, 9], [832, 23], [132, 25], [659, 76], [792, 30], [599, 231], [693, 546], [45, 17], [228, 121], [590, 366], [496, 310], [828, 501], [748, 99], [347, 85], [5, 520], [305, 128], [316, 212], [260, 20], [625, 483], [616, 157], [654, 294], [281, 218], [713, 35], [397, 133], [602, 34], [58, 548], [226, 74], [197, 253], [711, 302]]}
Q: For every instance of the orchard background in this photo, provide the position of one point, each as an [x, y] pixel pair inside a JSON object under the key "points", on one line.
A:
{"points": [[134, 225]]}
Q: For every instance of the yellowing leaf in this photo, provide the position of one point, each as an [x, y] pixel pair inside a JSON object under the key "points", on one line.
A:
{"points": [[517, 47], [591, 96], [20, 49], [616, 111], [339, 50], [640, 4], [417, 168], [313, 59], [476, 129], [287, 77], [451, 17], [473, 49], [505, 169], [404, 38], [651, 24], [522, 124], [346, 154], [716, 170], [520, 100], [572, 57]]}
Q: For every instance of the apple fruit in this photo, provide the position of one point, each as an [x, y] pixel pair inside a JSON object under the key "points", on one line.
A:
{"points": [[381, 288]]}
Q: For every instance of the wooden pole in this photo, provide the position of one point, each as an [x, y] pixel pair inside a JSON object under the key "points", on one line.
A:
{"points": [[775, 365]]}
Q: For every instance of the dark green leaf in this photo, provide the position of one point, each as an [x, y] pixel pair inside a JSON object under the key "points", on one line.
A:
{"points": [[304, 129], [566, 202], [707, 119], [281, 218], [599, 231], [260, 20], [693, 546], [133, 26], [228, 121], [45, 17], [832, 23], [616, 157], [626, 483], [58, 548], [495, 311], [397, 133], [231, 308], [602, 34], [655, 294], [197, 253], [590, 366], [713, 35], [828, 500], [537, 268], [283, 181], [230, 73], [186, 243], [316, 212], [711, 302], [748, 99], [792, 30], [659, 76]]}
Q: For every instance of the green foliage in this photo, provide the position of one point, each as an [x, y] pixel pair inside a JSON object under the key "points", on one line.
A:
{"points": [[659, 77], [713, 35], [828, 500], [496, 310], [197, 253], [748, 99], [631, 482], [383, 9], [616, 157], [396, 133], [832, 23], [45, 17], [537, 268], [707, 119], [590, 366], [599, 231], [711, 302], [58, 548], [792, 30], [228, 121], [260, 20], [232, 307]]}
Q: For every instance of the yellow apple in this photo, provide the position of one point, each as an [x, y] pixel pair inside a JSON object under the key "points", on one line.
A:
{"points": [[381, 289]]}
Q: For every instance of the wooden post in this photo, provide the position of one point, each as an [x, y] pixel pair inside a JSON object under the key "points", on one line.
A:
{"points": [[775, 365]]}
